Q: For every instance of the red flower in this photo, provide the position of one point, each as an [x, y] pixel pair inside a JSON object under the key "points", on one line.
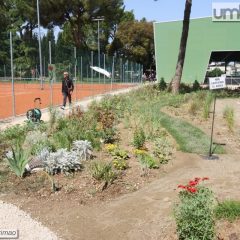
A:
{"points": [[191, 189], [197, 179], [205, 178], [193, 183], [181, 186]]}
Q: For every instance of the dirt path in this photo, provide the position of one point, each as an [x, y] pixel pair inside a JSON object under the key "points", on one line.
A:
{"points": [[145, 214]]}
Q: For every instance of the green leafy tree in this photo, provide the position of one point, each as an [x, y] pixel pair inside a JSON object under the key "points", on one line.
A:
{"points": [[78, 16], [134, 41]]}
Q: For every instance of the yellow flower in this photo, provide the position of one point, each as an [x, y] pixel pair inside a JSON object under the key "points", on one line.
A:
{"points": [[110, 147], [139, 152]]}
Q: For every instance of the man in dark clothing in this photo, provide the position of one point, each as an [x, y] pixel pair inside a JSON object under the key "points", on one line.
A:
{"points": [[67, 89]]}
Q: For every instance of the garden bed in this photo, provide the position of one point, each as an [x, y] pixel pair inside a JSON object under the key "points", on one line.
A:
{"points": [[139, 149]]}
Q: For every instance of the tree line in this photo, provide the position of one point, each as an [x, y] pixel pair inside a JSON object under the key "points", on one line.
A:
{"points": [[120, 33]]}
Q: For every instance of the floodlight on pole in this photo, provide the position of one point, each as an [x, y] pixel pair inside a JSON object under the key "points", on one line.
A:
{"points": [[39, 43], [98, 19]]}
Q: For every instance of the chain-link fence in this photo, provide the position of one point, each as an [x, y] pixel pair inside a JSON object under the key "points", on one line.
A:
{"points": [[92, 74]]}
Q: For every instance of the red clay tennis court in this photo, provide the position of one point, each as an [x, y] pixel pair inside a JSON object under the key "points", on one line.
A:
{"points": [[25, 93]]}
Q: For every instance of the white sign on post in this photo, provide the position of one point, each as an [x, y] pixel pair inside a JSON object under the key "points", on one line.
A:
{"points": [[217, 82]]}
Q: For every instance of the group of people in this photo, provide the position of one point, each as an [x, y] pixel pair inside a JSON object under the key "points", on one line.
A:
{"points": [[149, 76]]}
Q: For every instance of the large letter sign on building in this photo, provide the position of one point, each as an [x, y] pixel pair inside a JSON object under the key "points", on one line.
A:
{"points": [[217, 82]]}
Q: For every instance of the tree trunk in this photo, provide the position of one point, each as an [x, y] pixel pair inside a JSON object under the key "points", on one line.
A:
{"points": [[175, 83]]}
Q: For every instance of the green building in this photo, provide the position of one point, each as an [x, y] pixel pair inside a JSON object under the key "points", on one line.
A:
{"points": [[208, 41]]}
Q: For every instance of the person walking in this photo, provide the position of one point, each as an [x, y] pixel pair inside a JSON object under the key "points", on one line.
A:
{"points": [[67, 89]]}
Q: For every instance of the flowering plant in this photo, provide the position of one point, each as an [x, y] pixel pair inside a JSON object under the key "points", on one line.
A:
{"points": [[192, 186], [139, 152], [194, 213], [110, 147]]}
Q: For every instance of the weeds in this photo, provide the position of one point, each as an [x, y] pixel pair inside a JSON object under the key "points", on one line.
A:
{"points": [[102, 171], [163, 150], [229, 210], [139, 138], [194, 107], [207, 105], [228, 115], [162, 86], [147, 161]]}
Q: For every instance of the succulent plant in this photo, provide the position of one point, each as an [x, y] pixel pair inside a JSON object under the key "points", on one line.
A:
{"points": [[83, 148], [62, 161]]}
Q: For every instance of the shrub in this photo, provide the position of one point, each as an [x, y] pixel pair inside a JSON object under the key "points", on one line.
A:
{"points": [[83, 149], [162, 86], [163, 150], [147, 161], [16, 133], [120, 164], [194, 107], [17, 159], [139, 152], [139, 138], [120, 154], [229, 210], [110, 147], [102, 171], [62, 161], [216, 72], [196, 86], [185, 88], [195, 213], [108, 135], [35, 141], [76, 113], [228, 115], [53, 117]]}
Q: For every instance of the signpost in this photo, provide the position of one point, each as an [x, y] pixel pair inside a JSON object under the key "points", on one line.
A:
{"points": [[215, 83]]}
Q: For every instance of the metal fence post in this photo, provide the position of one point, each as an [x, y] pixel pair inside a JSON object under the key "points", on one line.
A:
{"points": [[112, 78], [81, 76], [13, 92], [75, 71], [92, 72]]}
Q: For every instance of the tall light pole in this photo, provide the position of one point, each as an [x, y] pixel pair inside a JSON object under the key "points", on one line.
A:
{"points": [[39, 43], [98, 19]]}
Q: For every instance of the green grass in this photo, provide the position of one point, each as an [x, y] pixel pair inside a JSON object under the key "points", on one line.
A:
{"points": [[229, 210], [146, 112], [189, 138], [228, 115]]}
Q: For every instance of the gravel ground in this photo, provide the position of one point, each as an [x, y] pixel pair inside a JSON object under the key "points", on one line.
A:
{"points": [[12, 218]]}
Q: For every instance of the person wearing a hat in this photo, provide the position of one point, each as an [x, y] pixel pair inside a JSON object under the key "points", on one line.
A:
{"points": [[67, 89]]}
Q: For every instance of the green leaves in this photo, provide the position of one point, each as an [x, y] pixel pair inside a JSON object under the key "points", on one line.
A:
{"points": [[194, 215], [17, 160]]}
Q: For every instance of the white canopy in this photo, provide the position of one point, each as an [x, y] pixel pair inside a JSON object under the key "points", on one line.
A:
{"points": [[102, 71]]}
